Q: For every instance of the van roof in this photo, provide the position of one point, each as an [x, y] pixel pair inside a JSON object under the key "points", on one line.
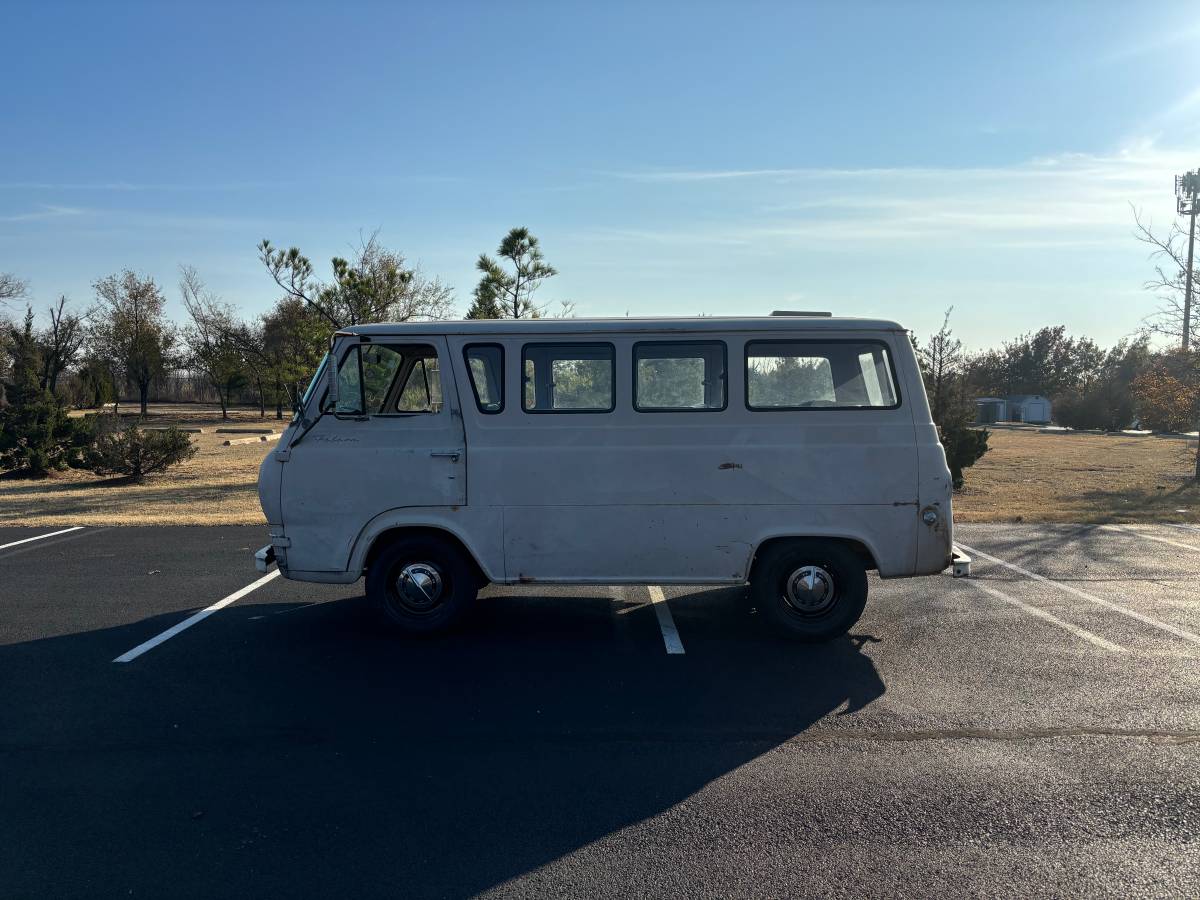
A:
{"points": [[623, 324]]}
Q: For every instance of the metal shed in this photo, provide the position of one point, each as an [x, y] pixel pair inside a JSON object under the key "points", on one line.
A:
{"points": [[1032, 408], [989, 410]]}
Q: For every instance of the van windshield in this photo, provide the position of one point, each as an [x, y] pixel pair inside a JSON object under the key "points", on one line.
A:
{"points": [[312, 384]]}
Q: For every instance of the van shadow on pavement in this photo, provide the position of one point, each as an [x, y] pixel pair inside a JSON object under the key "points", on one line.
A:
{"points": [[311, 754]]}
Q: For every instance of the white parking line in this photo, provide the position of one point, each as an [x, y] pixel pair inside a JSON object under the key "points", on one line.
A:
{"points": [[1150, 537], [1042, 614], [40, 537], [192, 620], [1182, 525], [667, 624], [1071, 589]]}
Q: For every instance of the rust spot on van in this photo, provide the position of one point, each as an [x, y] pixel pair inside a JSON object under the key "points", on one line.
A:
{"points": [[729, 465], [526, 579]]}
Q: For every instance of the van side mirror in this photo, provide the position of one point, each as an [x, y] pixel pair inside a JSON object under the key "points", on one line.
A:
{"points": [[332, 394]]}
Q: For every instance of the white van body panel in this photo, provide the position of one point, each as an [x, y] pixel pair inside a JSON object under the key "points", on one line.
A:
{"points": [[344, 469], [627, 496]]}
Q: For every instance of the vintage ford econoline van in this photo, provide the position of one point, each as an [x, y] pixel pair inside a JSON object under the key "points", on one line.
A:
{"points": [[791, 452]]}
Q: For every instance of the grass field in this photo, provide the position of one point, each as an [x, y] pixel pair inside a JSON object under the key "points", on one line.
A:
{"points": [[1032, 477], [1026, 476], [217, 486]]}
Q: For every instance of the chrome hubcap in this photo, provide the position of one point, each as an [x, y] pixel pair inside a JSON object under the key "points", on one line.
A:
{"points": [[419, 586], [809, 590]]}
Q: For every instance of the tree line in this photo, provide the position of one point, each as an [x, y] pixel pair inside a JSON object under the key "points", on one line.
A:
{"points": [[124, 344], [1090, 387]]}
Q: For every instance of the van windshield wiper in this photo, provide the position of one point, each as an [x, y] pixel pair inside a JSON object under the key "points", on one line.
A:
{"points": [[305, 427]]}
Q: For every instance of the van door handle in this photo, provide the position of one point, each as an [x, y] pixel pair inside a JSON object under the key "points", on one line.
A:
{"points": [[451, 455]]}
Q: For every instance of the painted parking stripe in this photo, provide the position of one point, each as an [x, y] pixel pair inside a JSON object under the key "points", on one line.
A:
{"points": [[192, 620], [1183, 526], [1150, 537], [1047, 617], [1071, 589], [39, 537], [665, 622]]}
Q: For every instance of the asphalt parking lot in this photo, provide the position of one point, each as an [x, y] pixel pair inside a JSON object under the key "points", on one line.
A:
{"points": [[1032, 731]]}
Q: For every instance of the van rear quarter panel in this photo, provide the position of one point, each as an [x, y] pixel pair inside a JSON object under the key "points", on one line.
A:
{"points": [[686, 497], [935, 488]]}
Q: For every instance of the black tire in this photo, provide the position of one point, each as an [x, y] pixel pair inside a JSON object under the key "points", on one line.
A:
{"points": [[815, 616], [457, 578]]}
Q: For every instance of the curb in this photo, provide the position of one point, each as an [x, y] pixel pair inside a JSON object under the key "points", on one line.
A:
{"points": [[262, 438]]}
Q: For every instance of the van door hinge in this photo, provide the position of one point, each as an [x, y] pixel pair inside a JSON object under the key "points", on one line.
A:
{"points": [[283, 454]]}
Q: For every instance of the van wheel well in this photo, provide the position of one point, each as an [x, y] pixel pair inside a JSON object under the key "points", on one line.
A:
{"points": [[857, 547], [384, 539]]}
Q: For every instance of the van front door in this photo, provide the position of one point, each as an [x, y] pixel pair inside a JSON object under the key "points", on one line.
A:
{"points": [[395, 440]]}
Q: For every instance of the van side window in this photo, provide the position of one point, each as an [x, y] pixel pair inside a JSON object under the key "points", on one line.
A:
{"points": [[819, 375], [380, 364], [679, 375], [422, 390], [568, 378], [350, 380], [485, 364]]}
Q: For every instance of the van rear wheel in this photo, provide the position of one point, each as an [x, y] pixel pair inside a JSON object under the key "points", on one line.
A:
{"points": [[421, 585], [810, 590]]}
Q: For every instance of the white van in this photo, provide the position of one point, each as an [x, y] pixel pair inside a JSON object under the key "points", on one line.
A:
{"points": [[795, 453]]}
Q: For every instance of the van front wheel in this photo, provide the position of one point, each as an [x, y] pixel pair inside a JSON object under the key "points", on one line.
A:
{"points": [[810, 590], [422, 585]]}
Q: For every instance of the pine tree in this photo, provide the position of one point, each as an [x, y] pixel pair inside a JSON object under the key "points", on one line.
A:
{"points": [[504, 295], [36, 433]]}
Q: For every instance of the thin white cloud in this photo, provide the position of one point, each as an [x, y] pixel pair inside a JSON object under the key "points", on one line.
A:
{"points": [[661, 236], [216, 187], [784, 175], [1126, 163], [1187, 103], [1179, 37], [713, 175], [44, 212], [131, 221], [130, 187], [1066, 200]]}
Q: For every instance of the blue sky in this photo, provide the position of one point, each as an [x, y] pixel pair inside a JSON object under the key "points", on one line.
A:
{"points": [[886, 160]]}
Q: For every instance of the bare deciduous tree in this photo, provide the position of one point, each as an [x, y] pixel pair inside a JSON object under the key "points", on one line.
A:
{"points": [[210, 338], [61, 343], [11, 288], [1169, 253]]}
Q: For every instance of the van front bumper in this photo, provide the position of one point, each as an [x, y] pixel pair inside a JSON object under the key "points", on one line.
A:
{"points": [[264, 558], [961, 563]]}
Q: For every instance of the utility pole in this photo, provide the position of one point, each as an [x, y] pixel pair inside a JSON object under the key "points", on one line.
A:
{"points": [[1187, 187]]}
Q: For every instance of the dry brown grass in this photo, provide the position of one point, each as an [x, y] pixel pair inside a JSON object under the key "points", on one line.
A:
{"points": [[215, 487], [1026, 476], [1032, 477]]}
